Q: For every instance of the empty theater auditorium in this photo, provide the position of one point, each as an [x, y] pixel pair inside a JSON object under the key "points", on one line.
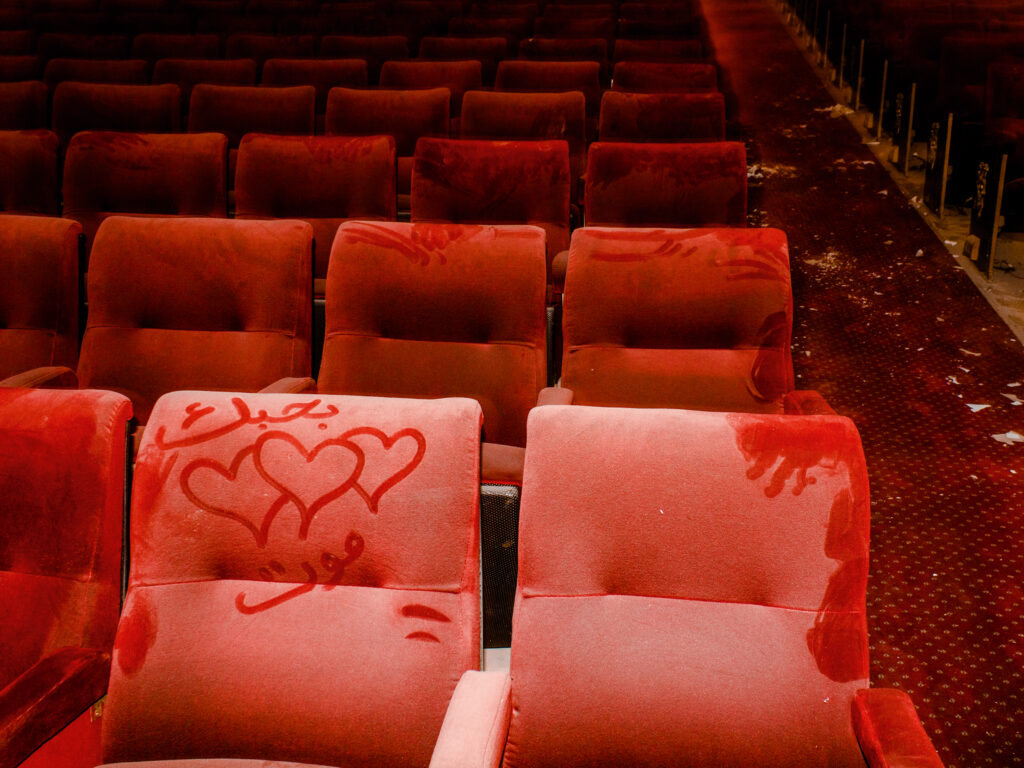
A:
{"points": [[522, 383]]}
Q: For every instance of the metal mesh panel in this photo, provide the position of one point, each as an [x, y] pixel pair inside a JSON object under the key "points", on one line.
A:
{"points": [[499, 543]]}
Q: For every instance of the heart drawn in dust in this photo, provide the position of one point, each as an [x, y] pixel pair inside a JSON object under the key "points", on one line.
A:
{"points": [[324, 473]]}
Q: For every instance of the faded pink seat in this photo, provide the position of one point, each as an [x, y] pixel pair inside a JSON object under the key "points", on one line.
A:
{"points": [[305, 581], [711, 568]]}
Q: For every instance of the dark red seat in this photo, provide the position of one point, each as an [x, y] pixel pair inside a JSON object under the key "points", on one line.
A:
{"points": [[62, 478], [17, 42], [553, 77], [108, 174], [569, 26], [657, 50], [80, 45], [457, 76], [109, 107], [262, 47], [156, 46], [354, 548], [324, 180], [511, 29], [374, 50], [187, 73], [568, 49], [14, 69], [487, 50], [404, 115], [28, 172], [671, 318], [322, 74], [39, 293], [666, 185], [664, 77], [714, 568], [124, 71], [637, 117], [466, 181], [23, 106]]}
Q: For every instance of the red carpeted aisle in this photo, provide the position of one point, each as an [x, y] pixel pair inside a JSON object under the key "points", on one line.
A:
{"points": [[896, 336]]}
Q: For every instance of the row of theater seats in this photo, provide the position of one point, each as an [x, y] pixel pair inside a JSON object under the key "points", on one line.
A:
{"points": [[305, 586]]}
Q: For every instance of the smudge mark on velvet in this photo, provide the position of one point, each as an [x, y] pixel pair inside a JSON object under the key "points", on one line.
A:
{"points": [[136, 634]]}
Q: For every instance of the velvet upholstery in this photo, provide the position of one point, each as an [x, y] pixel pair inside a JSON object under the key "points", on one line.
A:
{"points": [[404, 115], [304, 580], [156, 46], [487, 50], [661, 116], [568, 49], [62, 478], [323, 180], [179, 303], [457, 76], [28, 172], [436, 310], [717, 591], [81, 45], [124, 71], [19, 68], [23, 106], [664, 77], [507, 115], [512, 29], [322, 74], [187, 73], [110, 107], [108, 173], [466, 181], [552, 76], [698, 318], [263, 47], [17, 41], [39, 293], [238, 110], [656, 50], [666, 185], [374, 50], [569, 26]]}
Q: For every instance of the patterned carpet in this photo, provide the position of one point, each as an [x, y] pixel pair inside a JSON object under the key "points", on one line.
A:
{"points": [[893, 333]]}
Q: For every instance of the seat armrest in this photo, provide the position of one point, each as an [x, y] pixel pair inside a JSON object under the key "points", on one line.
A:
{"points": [[476, 724], [559, 265], [806, 402], [889, 731], [290, 385], [48, 377], [555, 396], [501, 463]]}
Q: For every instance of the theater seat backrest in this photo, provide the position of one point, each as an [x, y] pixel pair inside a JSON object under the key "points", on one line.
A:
{"points": [[494, 182], [107, 173], [108, 107], [39, 293], [14, 69], [552, 76], [124, 71], [238, 110], [697, 184], [434, 310], [304, 581], [155, 46], [457, 76], [374, 50], [187, 73], [321, 179], [23, 106], [28, 172], [262, 47], [662, 116], [657, 50], [664, 77], [711, 568], [196, 304], [487, 50], [698, 318], [322, 74]]}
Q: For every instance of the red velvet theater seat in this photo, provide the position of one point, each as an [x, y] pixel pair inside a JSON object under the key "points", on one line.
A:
{"points": [[62, 479], [494, 182], [666, 185], [322, 74], [664, 77], [512, 29], [187, 73], [17, 41], [457, 76], [323, 180], [155, 46], [304, 582], [107, 174], [124, 71], [15, 69], [568, 26], [374, 50], [263, 47], [568, 49], [499, 115], [23, 106], [657, 50], [404, 115], [661, 116], [487, 50], [39, 293], [28, 172], [80, 45], [553, 77], [698, 318], [711, 570], [436, 310], [107, 107]]}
